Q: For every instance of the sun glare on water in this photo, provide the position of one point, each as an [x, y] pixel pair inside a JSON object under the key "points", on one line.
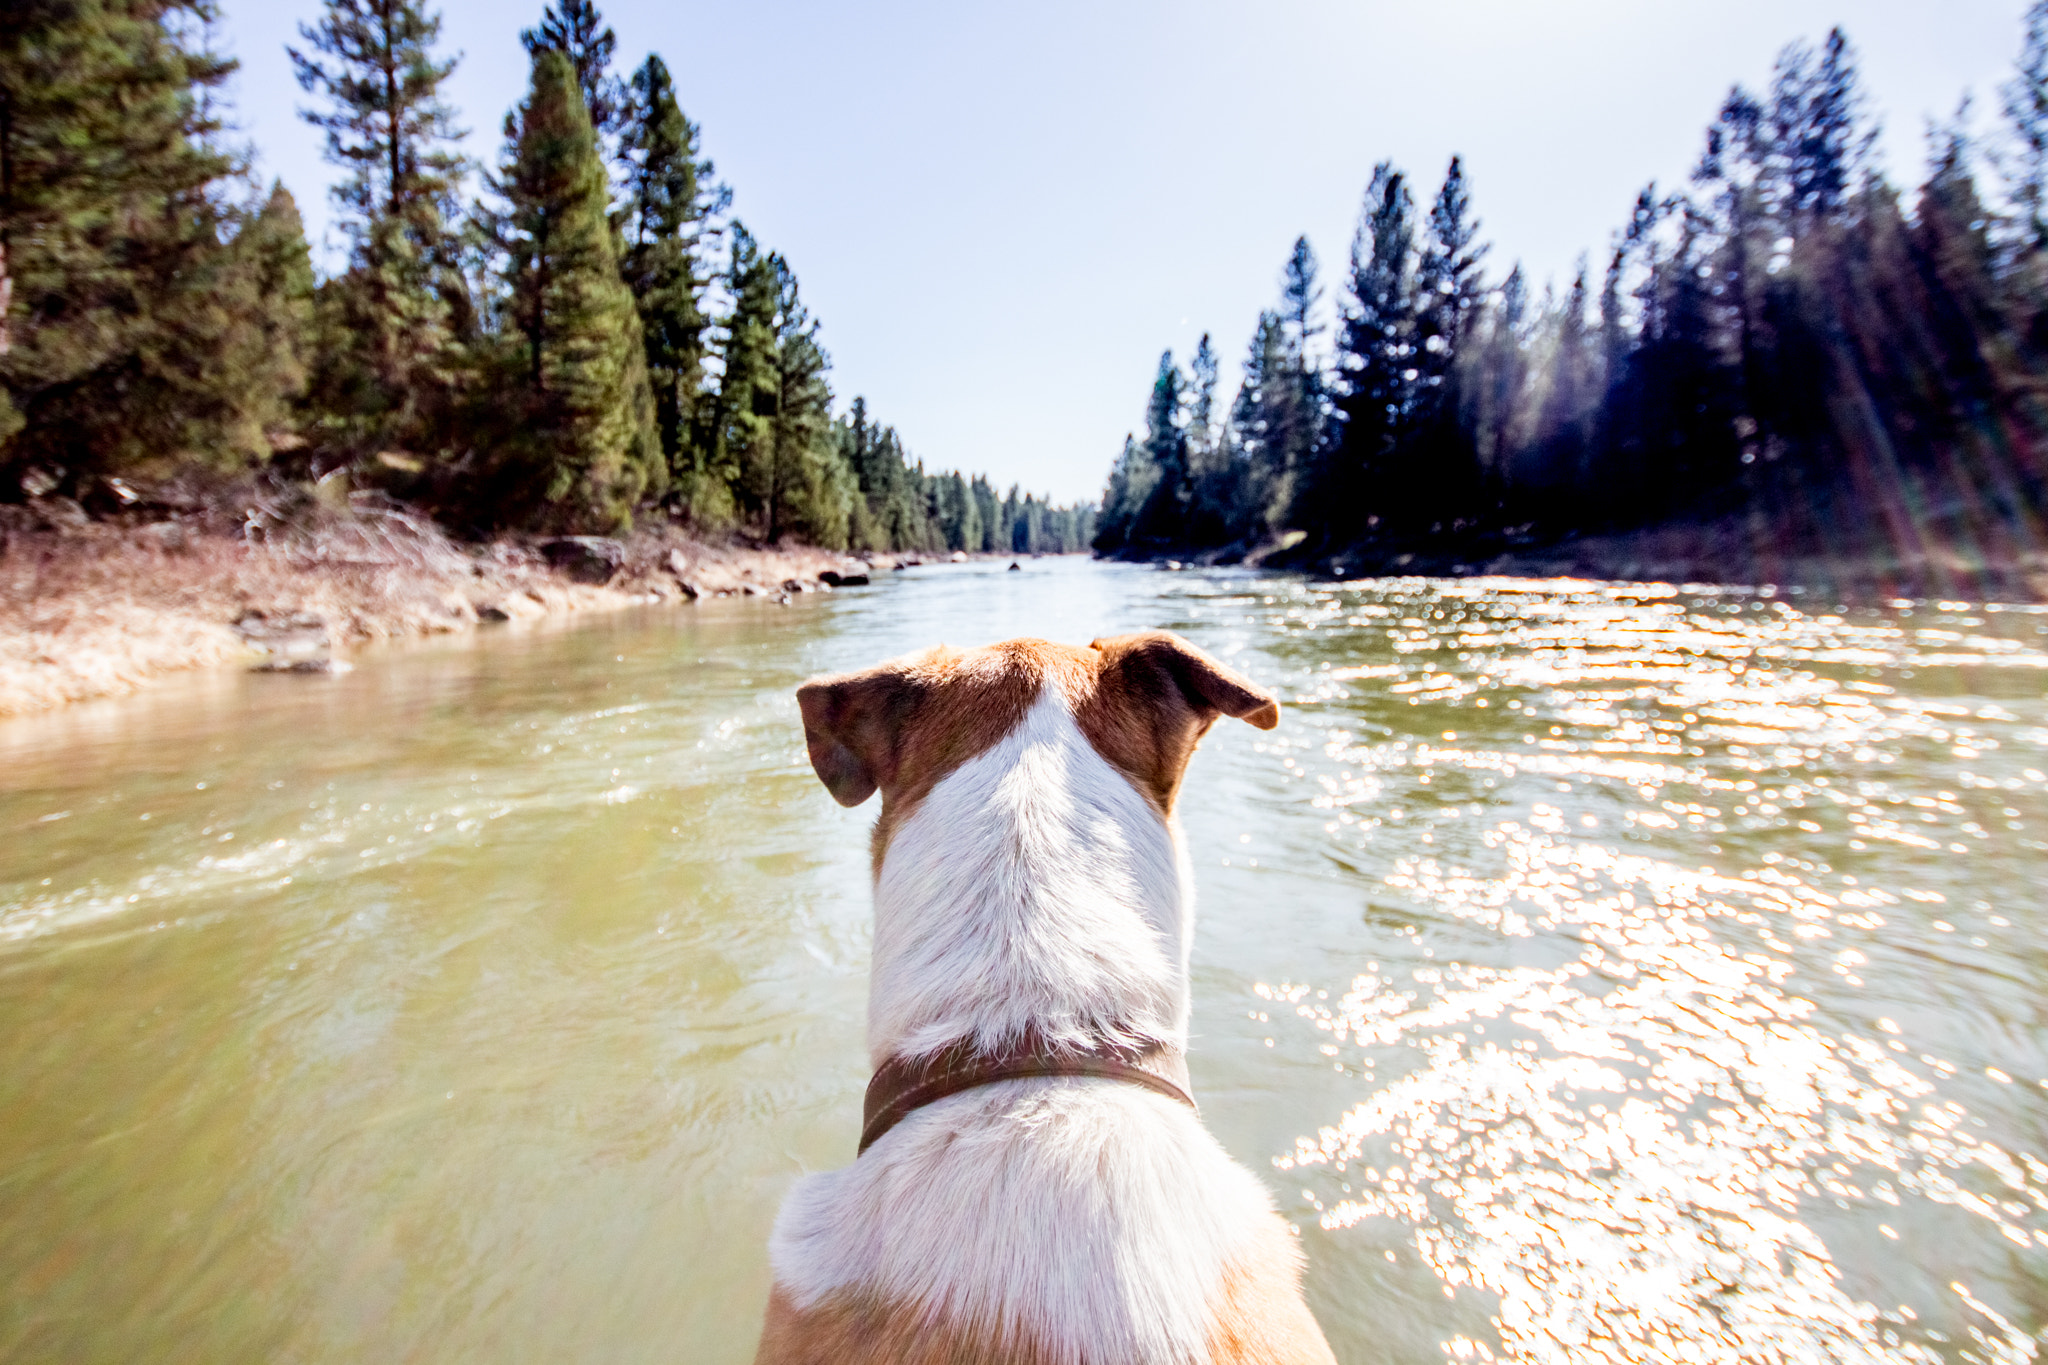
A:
{"points": [[1701, 1029]]}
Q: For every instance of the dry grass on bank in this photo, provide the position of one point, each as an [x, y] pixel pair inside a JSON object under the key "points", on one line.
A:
{"points": [[99, 608]]}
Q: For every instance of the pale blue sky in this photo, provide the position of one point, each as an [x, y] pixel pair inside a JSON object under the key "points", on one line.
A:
{"points": [[1003, 213]]}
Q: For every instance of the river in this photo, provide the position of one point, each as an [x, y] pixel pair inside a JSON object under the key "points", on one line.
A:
{"points": [[1594, 972]]}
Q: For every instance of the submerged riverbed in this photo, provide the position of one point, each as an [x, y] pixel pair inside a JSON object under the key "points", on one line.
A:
{"points": [[1594, 971]]}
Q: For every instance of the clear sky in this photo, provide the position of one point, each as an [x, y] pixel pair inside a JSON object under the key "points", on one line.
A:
{"points": [[1002, 213]]}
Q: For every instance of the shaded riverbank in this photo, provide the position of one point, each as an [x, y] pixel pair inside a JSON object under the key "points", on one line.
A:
{"points": [[99, 607], [1727, 553]]}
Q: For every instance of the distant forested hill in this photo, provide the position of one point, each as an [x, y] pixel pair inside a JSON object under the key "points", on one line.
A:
{"points": [[595, 338], [1789, 349]]}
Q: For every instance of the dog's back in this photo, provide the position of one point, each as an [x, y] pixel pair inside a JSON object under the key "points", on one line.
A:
{"points": [[1030, 882]]}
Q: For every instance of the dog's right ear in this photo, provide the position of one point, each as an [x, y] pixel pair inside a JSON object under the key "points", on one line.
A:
{"points": [[851, 721]]}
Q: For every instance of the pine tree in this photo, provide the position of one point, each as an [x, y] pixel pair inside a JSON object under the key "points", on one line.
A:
{"points": [[1499, 386], [1555, 463], [1131, 481], [1212, 492], [575, 29], [1442, 478], [388, 128], [749, 387], [1007, 519], [585, 447], [668, 212], [255, 326], [136, 329], [2025, 102], [1447, 285], [1816, 119], [1161, 520], [1376, 368], [988, 513], [1203, 371], [803, 485], [1292, 393]]}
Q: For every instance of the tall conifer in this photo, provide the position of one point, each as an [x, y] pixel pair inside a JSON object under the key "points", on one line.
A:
{"points": [[1375, 363], [804, 485], [669, 207], [2025, 102], [575, 29], [749, 387], [133, 324], [586, 450], [374, 63]]}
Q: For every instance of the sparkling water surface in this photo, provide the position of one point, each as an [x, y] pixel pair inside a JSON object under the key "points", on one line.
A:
{"points": [[1594, 971]]}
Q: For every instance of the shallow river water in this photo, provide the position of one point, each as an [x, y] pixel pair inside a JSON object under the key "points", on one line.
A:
{"points": [[1593, 971]]}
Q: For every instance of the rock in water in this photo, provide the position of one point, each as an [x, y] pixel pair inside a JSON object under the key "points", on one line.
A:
{"points": [[835, 579], [1015, 567], [329, 665], [585, 559], [285, 635]]}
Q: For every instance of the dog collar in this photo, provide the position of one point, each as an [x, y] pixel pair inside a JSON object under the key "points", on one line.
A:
{"points": [[900, 1087]]}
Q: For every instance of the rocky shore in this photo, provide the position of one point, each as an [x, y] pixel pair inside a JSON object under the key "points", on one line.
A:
{"points": [[1863, 568], [99, 605]]}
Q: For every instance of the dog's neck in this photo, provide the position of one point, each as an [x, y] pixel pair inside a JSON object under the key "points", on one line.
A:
{"points": [[1032, 896]]}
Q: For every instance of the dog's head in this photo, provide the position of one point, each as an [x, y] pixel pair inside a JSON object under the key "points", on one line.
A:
{"points": [[1143, 701]]}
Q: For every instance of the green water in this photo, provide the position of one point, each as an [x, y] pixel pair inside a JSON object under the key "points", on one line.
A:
{"points": [[1593, 971]]}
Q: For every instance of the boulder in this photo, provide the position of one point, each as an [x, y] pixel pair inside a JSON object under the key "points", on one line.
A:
{"points": [[584, 559], [327, 665], [832, 578], [1015, 567], [285, 636], [169, 536], [60, 514], [677, 564]]}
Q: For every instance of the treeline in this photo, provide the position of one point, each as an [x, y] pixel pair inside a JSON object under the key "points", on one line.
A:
{"points": [[594, 338], [1789, 348]]}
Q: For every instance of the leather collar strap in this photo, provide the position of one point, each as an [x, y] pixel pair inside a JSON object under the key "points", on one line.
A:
{"points": [[899, 1087]]}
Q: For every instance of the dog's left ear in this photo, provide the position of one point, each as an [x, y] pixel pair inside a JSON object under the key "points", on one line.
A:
{"points": [[1207, 685], [851, 721]]}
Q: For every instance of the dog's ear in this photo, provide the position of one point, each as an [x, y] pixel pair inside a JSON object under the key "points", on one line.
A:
{"points": [[1207, 685], [1155, 696], [851, 721]]}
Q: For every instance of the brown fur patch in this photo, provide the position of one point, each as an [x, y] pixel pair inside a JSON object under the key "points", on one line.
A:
{"points": [[1260, 1319], [1153, 697], [901, 726], [851, 1330], [1260, 1315], [1144, 701]]}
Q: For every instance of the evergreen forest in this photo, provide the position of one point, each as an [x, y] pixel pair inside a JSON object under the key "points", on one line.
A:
{"points": [[578, 336], [1789, 352]]}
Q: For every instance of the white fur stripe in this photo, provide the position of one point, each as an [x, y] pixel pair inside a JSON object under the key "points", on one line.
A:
{"points": [[1033, 888]]}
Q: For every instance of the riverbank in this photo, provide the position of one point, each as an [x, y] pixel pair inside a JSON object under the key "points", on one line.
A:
{"points": [[1721, 552], [97, 607]]}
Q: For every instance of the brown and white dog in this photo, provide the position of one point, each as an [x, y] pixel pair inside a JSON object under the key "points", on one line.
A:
{"points": [[1021, 1203]]}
